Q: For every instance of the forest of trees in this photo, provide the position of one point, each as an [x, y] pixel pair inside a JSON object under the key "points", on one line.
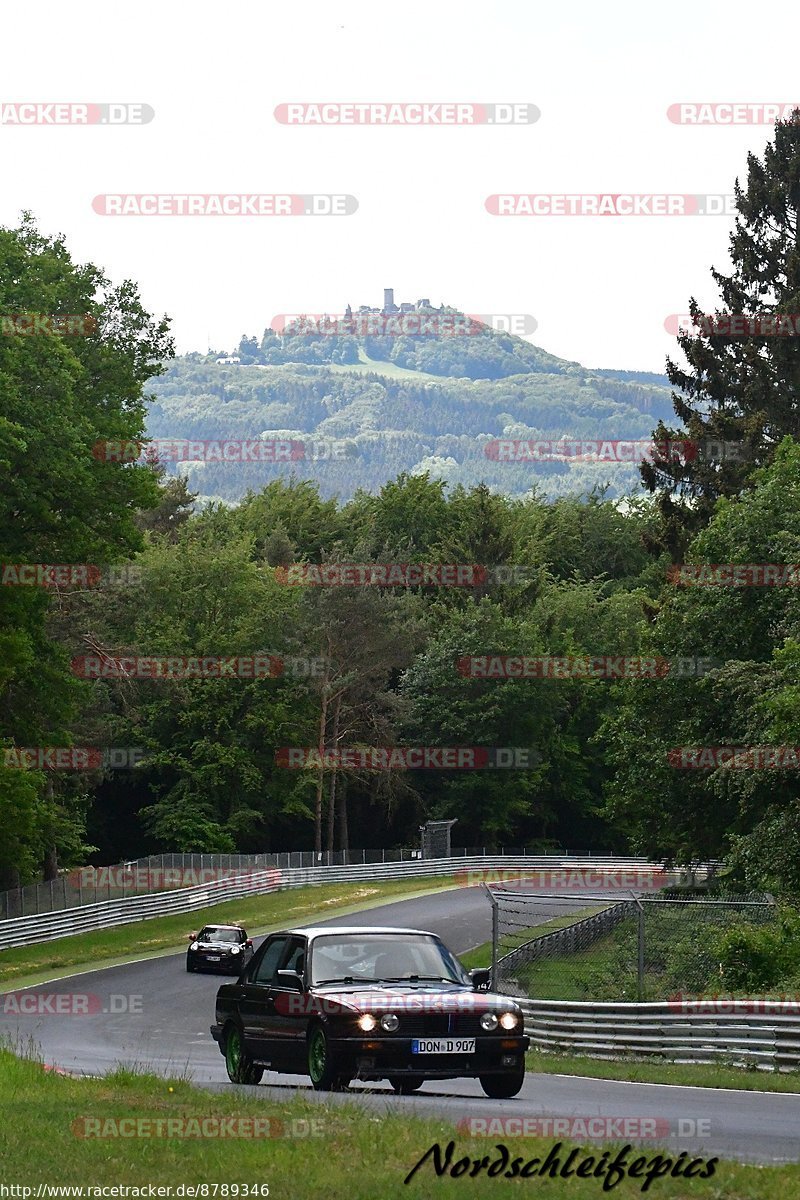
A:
{"points": [[370, 666], [381, 426]]}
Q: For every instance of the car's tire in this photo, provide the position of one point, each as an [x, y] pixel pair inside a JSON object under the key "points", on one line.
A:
{"points": [[404, 1087], [239, 1065], [190, 966], [503, 1087], [327, 1073]]}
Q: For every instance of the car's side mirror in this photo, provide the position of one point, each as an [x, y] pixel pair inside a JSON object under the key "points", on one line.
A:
{"points": [[291, 980], [480, 977], [249, 943]]}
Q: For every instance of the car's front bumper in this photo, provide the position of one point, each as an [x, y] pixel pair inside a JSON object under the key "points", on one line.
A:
{"points": [[231, 964], [381, 1058]]}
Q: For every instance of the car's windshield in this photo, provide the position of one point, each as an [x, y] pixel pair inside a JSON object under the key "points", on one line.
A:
{"points": [[383, 958], [218, 935]]}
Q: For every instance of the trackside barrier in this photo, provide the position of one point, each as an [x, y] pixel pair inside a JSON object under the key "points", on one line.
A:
{"points": [[160, 872], [46, 927], [567, 940], [759, 1033]]}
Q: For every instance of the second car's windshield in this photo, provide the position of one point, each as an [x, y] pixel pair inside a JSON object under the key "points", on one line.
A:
{"points": [[218, 935], [384, 958]]}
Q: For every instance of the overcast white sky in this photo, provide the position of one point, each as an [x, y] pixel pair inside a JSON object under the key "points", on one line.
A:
{"points": [[602, 75]]}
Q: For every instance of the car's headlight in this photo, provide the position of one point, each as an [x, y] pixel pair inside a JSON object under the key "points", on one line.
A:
{"points": [[509, 1020], [488, 1021], [367, 1022], [195, 946], [390, 1022], [236, 949]]}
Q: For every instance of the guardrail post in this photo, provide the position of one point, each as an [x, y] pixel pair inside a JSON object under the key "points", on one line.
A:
{"points": [[495, 936], [640, 956]]}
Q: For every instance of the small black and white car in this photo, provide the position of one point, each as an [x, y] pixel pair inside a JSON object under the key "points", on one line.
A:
{"points": [[219, 948]]}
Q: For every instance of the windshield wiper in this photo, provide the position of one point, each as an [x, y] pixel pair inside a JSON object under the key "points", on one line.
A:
{"points": [[418, 979], [346, 979]]}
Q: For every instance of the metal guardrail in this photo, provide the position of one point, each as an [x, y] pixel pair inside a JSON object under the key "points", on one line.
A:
{"points": [[760, 1033], [160, 872], [44, 927]]}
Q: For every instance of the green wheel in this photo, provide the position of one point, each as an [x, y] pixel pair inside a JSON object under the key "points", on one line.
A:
{"points": [[239, 1065], [327, 1074]]}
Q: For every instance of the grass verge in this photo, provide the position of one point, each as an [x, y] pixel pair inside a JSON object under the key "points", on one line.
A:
{"points": [[144, 939], [634, 1070], [332, 1151]]}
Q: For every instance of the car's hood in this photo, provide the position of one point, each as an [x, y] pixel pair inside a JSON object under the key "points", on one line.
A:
{"points": [[216, 945], [413, 998]]}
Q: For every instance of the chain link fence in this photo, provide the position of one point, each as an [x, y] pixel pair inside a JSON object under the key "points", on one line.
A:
{"points": [[615, 947]]}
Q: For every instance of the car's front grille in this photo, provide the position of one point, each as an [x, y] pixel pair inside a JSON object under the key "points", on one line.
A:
{"points": [[439, 1025]]}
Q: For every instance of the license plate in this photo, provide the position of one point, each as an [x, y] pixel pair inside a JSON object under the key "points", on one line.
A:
{"points": [[212, 958], [443, 1046]]}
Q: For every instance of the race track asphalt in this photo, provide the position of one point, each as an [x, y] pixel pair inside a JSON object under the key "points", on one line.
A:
{"points": [[153, 1014]]}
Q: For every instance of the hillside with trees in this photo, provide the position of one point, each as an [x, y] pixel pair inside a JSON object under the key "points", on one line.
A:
{"points": [[365, 426], [617, 764]]}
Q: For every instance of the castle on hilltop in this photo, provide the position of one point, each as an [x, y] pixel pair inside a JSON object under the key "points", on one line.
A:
{"points": [[389, 306]]}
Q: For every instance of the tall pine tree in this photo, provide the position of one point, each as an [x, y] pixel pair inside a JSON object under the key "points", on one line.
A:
{"points": [[743, 390]]}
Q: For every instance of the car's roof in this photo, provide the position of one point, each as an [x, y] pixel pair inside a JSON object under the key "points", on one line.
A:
{"points": [[353, 931], [214, 925]]}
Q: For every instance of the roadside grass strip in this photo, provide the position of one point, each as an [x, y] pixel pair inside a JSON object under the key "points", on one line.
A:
{"points": [[61, 1130], [164, 935]]}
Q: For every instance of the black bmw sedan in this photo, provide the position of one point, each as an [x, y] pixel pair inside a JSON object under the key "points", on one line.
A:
{"points": [[339, 1004], [219, 948]]}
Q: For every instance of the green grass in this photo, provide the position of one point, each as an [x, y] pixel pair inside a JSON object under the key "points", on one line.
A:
{"points": [[344, 1152], [708, 1075], [481, 956], [381, 367], [162, 935], [641, 1071]]}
